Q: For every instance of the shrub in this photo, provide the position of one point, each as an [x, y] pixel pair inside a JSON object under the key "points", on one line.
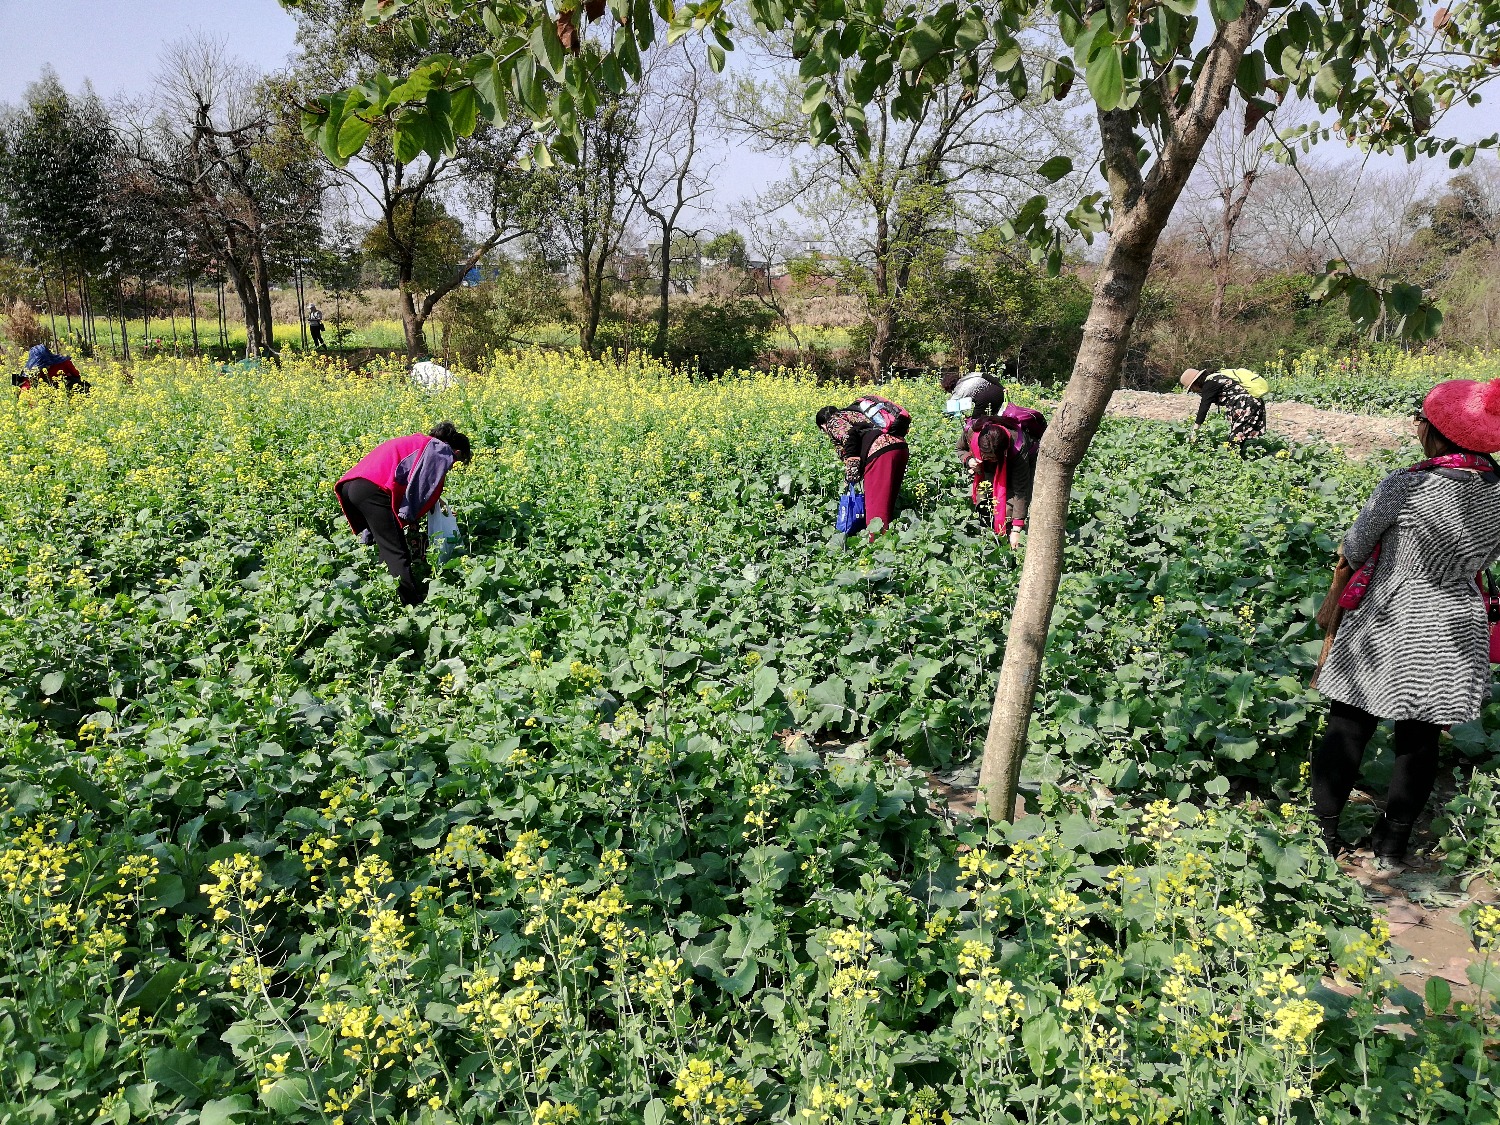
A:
{"points": [[719, 336], [23, 327], [481, 319]]}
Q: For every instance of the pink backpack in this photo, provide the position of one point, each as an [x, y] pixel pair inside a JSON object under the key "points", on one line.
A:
{"points": [[1027, 426], [885, 415]]}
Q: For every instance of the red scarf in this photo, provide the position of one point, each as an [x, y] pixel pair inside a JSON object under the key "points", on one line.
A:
{"points": [[1359, 582], [1000, 495]]}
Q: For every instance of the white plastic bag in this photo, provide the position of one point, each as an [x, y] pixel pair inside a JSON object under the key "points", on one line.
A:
{"points": [[432, 376], [442, 530]]}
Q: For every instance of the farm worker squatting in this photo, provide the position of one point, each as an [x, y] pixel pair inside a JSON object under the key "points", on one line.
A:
{"points": [[1239, 392], [869, 436], [1411, 639], [393, 488]]}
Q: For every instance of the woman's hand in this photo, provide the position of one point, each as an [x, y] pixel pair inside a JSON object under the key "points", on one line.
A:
{"points": [[1015, 539]]}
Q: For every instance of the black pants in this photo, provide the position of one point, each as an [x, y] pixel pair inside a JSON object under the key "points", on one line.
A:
{"points": [[1336, 765], [317, 333], [370, 507]]}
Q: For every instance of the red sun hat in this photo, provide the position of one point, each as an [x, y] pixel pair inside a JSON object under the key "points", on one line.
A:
{"points": [[1467, 413]]}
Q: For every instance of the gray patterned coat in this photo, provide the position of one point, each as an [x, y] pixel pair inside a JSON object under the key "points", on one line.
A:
{"points": [[1418, 645]]}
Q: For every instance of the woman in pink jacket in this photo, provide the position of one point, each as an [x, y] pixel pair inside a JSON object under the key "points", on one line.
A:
{"points": [[393, 488]]}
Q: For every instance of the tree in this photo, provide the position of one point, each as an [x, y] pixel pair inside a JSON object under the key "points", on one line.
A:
{"points": [[727, 248], [672, 174], [57, 154], [420, 239], [474, 176], [1234, 161], [881, 185], [212, 148], [987, 301], [592, 204], [1158, 84]]}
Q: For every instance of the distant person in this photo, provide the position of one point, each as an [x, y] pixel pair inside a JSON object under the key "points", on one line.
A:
{"points": [[1001, 453], [869, 436], [1239, 392], [977, 392], [45, 365], [391, 491], [315, 325], [1413, 641]]}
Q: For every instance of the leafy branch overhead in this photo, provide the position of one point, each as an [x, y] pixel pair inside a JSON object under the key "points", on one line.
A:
{"points": [[1383, 82]]}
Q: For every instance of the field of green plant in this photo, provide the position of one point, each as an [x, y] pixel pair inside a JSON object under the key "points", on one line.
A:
{"points": [[273, 848], [1384, 379]]}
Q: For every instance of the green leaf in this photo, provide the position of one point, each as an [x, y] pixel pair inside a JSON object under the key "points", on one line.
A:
{"points": [[1042, 1037], [94, 1043], [223, 1111], [157, 989], [52, 683], [1226, 11], [286, 1096], [1055, 169], [1106, 77], [411, 136], [177, 1070], [922, 43], [764, 685], [463, 112], [1235, 747], [1439, 995], [1364, 302], [352, 134]]}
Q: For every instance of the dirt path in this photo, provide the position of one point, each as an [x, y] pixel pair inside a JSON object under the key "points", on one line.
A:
{"points": [[1357, 434]]}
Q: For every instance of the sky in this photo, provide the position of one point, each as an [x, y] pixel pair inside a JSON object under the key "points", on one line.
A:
{"points": [[116, 43]]}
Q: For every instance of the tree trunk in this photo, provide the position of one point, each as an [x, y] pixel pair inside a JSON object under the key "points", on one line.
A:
{"points": [[880, 337], [413, 323], [124, 323], [1142, 206], [591, 284], [244, 288], [67, 299], [262, 278], [880, 343], [1106, 333], [664, 294], [193, 312], [47, 300]]}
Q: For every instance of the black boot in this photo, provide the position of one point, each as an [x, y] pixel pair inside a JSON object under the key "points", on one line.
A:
{"points": [[1329, 827], [1389, 838]]}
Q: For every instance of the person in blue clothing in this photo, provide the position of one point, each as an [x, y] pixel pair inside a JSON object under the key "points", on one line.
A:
{"points": [[43, 365]]}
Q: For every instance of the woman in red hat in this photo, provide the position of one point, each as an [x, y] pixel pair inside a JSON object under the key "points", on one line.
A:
{"points": [[1413, 644]]}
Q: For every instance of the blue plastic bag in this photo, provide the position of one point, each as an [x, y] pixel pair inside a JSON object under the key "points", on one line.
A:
{"points": [[851, 511]]}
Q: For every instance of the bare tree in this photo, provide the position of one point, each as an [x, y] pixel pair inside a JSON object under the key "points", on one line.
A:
{"points": [[593, 202], [1241, 151], [879, 187], [210, 141], [673, 173]]}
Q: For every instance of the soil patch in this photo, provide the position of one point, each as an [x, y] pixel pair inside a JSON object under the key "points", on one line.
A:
{"points": [[1358, 435]]}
